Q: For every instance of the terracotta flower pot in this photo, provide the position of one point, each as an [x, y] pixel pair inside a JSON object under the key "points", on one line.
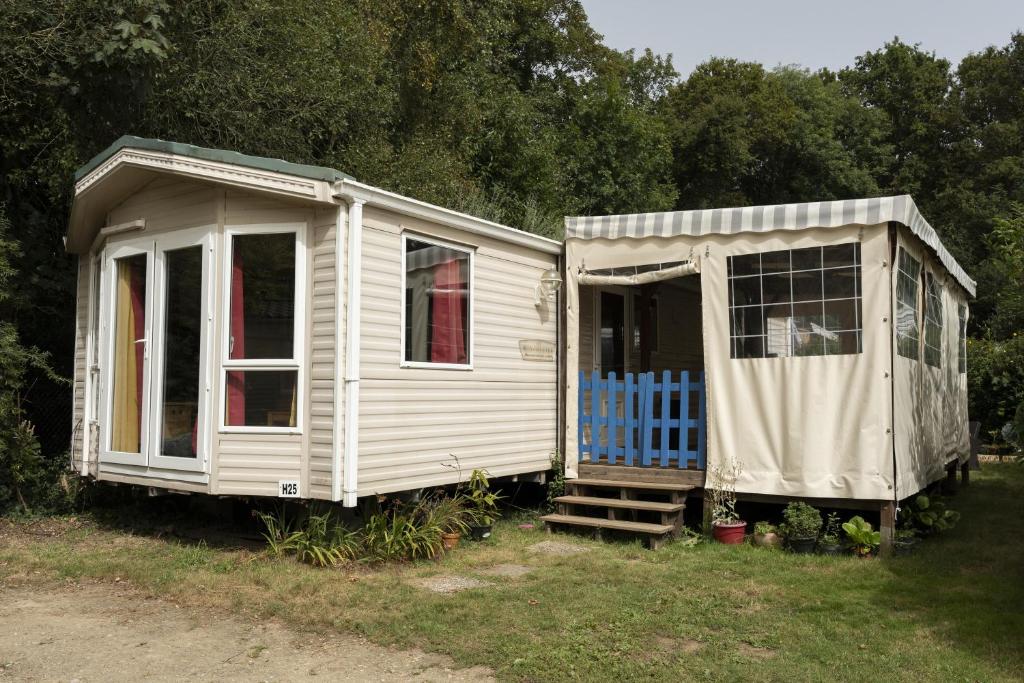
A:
{"points": [[450, 540], [730, 534], [768, 540]]}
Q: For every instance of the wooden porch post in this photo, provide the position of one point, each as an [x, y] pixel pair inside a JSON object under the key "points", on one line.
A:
{"points": [[887, 526], [965, 474]]}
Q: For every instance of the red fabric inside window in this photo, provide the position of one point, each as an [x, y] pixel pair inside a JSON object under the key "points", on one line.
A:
{"points": [[447, 340]]}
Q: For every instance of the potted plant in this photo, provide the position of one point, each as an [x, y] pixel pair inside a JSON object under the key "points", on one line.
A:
{"points": [[905, 541], [864, 540], [726, 525], [831, 541], [482, 506], [766, 535], [801, 526], [448, 516]]}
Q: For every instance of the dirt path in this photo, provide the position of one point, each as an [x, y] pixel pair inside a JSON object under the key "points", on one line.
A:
{"points": [[98, 633]]}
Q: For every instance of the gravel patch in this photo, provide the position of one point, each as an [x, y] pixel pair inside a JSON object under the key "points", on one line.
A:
{"points": [[451, 584], [560, 548]]}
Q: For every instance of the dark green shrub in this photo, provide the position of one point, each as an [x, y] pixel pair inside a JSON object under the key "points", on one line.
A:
{"points": [[801, 521]]}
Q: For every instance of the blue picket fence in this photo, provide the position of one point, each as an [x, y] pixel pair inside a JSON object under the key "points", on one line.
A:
{"points": [[643, 422]]}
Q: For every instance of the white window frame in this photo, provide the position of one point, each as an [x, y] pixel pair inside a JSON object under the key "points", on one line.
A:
{"points": [[465, 249], [297, 362]]}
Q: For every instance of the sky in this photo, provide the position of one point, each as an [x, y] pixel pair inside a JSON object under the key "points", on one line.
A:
{"points": [[817, 34]]}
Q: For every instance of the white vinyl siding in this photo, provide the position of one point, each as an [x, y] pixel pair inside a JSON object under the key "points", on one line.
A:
{"points": [[501, 415], [321, 378]]}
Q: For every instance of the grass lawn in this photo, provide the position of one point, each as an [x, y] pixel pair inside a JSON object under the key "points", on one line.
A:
{"points": [[952, 612]]}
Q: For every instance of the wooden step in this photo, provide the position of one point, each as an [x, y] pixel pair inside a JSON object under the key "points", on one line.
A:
{"points": [[595, 501], [641, 485], [614, 524]]}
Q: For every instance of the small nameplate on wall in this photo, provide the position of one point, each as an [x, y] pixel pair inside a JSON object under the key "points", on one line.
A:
{"points": [[288, 488], [537, 350]]}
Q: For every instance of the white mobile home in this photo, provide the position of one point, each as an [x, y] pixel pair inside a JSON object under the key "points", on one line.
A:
{"points": [[248, 326], [821, 346]]}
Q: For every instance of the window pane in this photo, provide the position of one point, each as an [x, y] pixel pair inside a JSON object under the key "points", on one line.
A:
{"points": [[839, 255], [260, 398], [842, 315], [777, 288], [841, 283], [775, 262], [129, 353], [907, 320], [746, 291], [436, 304], [808, 317], [747, 321], [806, 259], [183, 326], [747, 264], [933, 322], [262, 282], [748, 347], [807, 286]]}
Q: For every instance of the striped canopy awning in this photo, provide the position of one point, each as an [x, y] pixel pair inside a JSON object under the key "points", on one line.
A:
{"points": [[900, 209]]}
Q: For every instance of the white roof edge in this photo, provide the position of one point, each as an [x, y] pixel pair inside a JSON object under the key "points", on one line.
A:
{"points": [[833, 214], [375, 196]]}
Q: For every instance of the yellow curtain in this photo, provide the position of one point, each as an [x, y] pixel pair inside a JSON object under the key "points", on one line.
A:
{"points": [[126, 421]]}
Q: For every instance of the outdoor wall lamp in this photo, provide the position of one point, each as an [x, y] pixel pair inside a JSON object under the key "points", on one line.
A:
{"points": [[550, 283]]}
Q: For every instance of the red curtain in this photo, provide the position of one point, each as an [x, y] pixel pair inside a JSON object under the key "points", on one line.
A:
{"points": [[447, 340], [236, 380]]}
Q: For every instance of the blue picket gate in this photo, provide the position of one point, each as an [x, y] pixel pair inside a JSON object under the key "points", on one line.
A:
{"points": [[662, 423]]}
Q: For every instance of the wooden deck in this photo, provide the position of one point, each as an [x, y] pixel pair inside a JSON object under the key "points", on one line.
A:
{"points": [[692, 478]]}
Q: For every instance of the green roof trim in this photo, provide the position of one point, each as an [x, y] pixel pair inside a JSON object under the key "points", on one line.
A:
{"points": [[208, 154]]}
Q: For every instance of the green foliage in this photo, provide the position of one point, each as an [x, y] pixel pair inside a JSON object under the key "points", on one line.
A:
{"points": [[801, 521], [995, 380], [863, 539], [24, 475], [401, 531], [556, 482], [930, 515], [833, 527], [764, 528], [481, 503]]}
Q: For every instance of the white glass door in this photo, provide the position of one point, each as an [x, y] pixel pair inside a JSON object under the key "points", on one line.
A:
{"points": [[127, 295], [181, 324], [155, 335]]}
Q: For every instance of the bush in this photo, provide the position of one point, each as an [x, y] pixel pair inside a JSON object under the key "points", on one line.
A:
{"points": [[801, 521], [995, 381]]}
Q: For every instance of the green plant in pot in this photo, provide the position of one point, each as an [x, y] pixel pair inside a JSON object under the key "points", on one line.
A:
{"points": [[801, 526], [482, 505], [831, 542], [766, 535], [726, 525], [905, 541], [446, 515], [864, 540]]}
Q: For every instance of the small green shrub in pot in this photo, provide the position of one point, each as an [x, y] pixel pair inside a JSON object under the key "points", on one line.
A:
{"points": [[766, 535], [905, 541], [831, 542], [801, 526], [864, 540]]}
